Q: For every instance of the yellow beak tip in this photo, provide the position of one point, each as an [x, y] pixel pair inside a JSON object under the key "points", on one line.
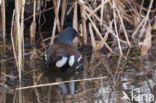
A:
{"points": [[81, 35]]}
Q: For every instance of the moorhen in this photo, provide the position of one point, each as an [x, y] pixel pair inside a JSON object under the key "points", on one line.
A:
{"points": [[63, 55]]}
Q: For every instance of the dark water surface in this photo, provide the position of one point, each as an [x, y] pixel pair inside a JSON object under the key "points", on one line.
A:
{"points": [[112, 79]]}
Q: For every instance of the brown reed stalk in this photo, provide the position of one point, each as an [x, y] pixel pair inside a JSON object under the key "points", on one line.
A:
{"points": [[3, 25], [17, 15], [146, 19], [95, 27], [103, 41], [102, 11], [140, 11], [99, 7], [22, 30], [3, 64], [83, 18], [63, 12], [75, 22], [56, 6], [115, 24], [90, 11], [99, 20], [58, 83], [13, 38], [54, 26], [53, 32], [19, 38], [93, 42], [122, 24], [33, 26], [147, 42], [70, 9], [75, 17], [137, 29]]}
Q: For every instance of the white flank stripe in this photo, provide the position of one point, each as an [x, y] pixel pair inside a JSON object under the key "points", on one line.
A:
{"points": [[62, 62], [46, 57], [71, 60], [79, 58], [78, 66]]}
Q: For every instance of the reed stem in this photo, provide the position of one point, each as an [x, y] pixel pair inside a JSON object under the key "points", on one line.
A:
{"points": [[33, 26], [3, 25], [56, 5]]}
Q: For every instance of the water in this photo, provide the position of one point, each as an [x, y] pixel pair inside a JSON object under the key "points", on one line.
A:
{"points": [[112, 79]]}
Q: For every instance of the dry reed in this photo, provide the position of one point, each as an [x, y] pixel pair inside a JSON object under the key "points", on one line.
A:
{"points": [[109, 20], [33, 26], [56, 22], [57, 83], [56, 4], [98, 14], [3, 25]]}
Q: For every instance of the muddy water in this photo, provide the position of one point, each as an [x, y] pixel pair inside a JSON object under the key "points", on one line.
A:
{"points": [[112, 79]]}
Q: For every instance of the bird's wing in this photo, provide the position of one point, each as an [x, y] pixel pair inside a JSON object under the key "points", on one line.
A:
{"points": [[54, 53]]}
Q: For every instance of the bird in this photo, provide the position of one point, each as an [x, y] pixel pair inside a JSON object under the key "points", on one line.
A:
{"points": [[63, 54]]}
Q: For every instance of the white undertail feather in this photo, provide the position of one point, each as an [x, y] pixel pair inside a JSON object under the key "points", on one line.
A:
{"points": [[62, 62], [71, 60]]}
